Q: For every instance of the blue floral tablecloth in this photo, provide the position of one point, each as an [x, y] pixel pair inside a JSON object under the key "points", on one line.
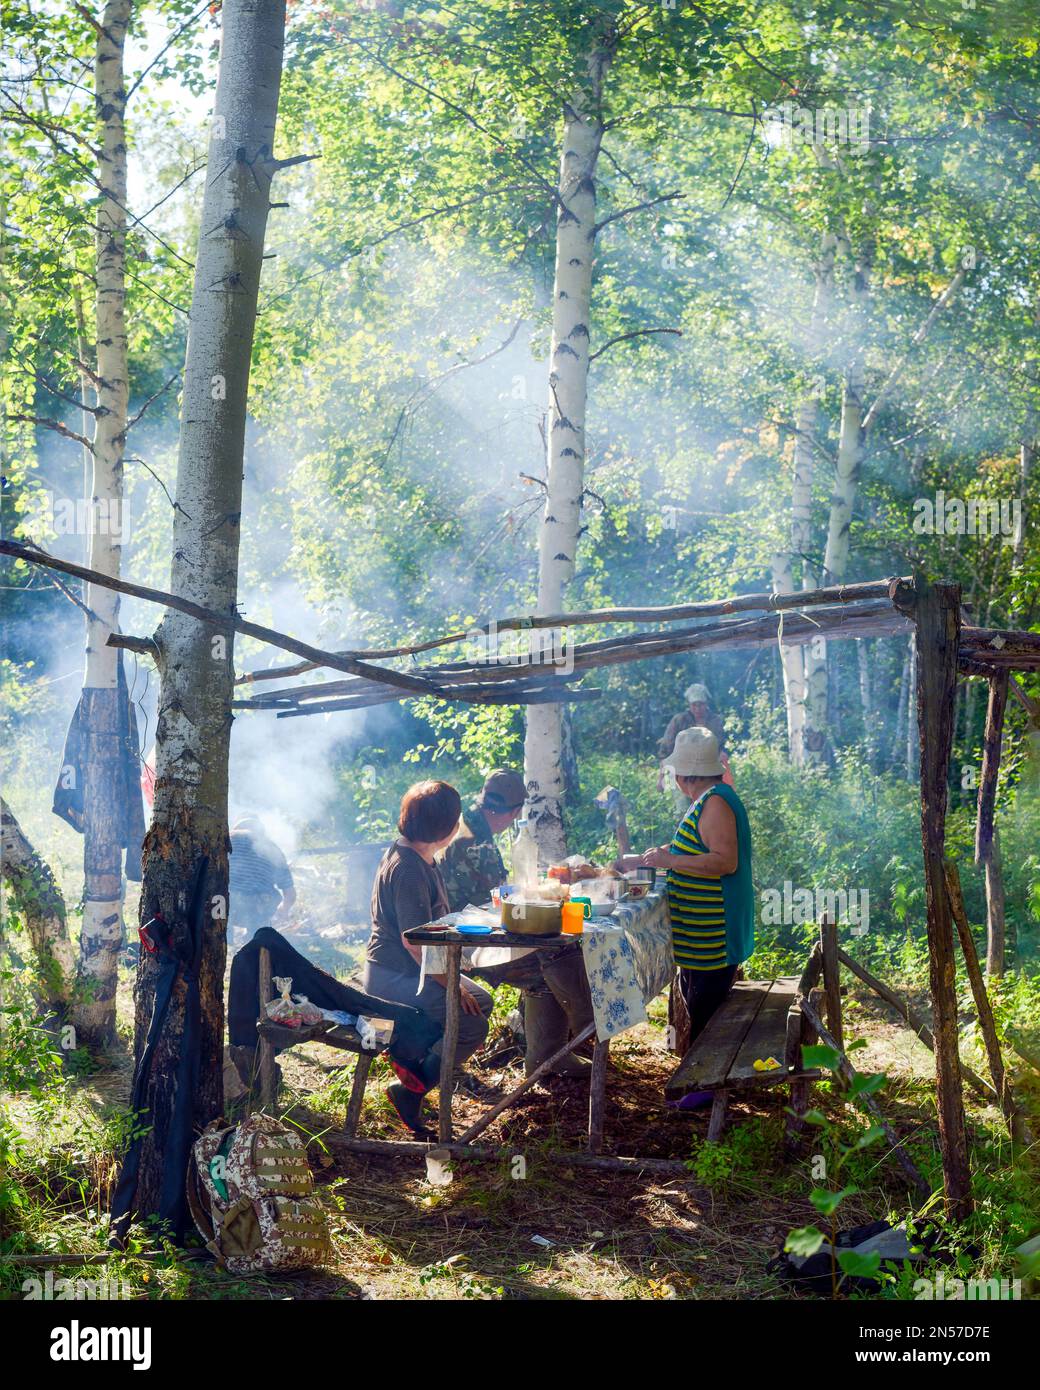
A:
{"points": [[629, 961]]}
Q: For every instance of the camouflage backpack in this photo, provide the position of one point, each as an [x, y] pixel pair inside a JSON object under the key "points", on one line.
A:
{"points": [[251, 1194]]}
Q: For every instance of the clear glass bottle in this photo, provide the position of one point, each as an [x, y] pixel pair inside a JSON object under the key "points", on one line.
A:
{"points": [[525, 858]]}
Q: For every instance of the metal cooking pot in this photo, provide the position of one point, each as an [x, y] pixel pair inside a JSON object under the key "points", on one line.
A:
{"points": [[528, 917]]}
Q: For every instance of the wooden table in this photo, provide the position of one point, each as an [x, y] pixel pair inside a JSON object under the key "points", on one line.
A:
{"points": [[454, 943]]}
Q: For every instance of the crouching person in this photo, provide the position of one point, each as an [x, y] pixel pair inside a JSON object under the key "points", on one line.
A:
{"points": [[409, 892]]}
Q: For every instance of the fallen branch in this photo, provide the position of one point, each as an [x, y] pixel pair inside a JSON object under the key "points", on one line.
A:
{"points": [[1017, 1123], [914, 1020], [227, 622]]}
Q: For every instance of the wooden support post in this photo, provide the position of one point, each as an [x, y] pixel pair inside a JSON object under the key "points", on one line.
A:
{"points": [[267, 1074], [717, 1122], [598, 1094], [1017, 1123], [357, 1094], [937, 614], [678, 1017], [796, 1027], [831, 978], [987, 846], [453, 972]]}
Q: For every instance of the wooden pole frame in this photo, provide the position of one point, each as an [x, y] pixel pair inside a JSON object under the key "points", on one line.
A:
{"points": [[937, 614]]}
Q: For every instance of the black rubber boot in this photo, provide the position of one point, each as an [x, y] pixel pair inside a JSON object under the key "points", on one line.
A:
{"points": [[408, 1105], [545, 1027]]}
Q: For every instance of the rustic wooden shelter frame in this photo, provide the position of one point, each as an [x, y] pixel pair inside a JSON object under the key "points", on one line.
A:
{"points": [[948, 645]]}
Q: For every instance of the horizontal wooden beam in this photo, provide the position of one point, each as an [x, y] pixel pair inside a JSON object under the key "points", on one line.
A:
{"points": [[896, 590], [868, 618]]}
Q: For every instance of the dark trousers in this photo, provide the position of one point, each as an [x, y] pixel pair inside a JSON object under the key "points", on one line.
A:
{"points": [[414, 1032], [703, 991]]}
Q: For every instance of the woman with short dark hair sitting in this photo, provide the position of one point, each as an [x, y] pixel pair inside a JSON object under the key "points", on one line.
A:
{"points": [[409, 892]]}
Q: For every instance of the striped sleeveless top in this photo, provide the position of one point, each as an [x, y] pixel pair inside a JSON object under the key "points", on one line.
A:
{"points": [[695, 904]]}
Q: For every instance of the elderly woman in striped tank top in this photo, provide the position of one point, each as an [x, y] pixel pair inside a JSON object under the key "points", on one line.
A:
{"points": [[708, 864]]}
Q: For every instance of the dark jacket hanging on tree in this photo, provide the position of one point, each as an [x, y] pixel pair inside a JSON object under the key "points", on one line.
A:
{"points": [[179, 950], [68, 791]]}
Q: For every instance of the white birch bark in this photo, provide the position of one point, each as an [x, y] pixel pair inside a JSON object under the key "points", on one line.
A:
{"points": [[866, 699], [902, 708], [568, 392], [806, 424], [102, 930], [1026, 454], [843, 499], [189, 818], [30, 888]]}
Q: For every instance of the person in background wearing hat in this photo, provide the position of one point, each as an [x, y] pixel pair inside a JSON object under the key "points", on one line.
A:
{"points": [[710, 893], [553, 984], [472, 866], [698, 714]]}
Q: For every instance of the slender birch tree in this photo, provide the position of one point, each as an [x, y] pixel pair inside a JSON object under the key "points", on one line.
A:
{"points": [[100, 712], [568, 396], [807, 428], [189, 820]]}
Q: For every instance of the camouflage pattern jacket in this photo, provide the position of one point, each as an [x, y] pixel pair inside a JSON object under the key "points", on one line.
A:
{"points": [[472, 865]]}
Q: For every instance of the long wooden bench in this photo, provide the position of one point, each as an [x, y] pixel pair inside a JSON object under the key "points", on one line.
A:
{"points": [[759, 1020], [272, 1034]]}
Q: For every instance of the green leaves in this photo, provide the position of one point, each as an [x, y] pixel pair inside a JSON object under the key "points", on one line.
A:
{"points": [[859, 1266], [804, 1241], [867, 1085], [818, 1055], [826, 1202]]}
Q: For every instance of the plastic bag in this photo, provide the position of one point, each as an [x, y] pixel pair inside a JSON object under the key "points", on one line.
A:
{"points": [[375, 1033], [290, 1011]]}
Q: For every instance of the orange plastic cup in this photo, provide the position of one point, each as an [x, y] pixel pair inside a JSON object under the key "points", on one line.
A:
{"points": [[573, 918]]}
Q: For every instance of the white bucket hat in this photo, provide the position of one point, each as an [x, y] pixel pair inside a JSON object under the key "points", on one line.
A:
{"points": [[696, 754], [697, 695]]}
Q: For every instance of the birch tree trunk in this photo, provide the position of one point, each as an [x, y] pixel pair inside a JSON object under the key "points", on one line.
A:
{"points": [[902, 705], [843, 499], [30, 888], [866, 699], [1026, 455], [806, 426], [568, 392], [102, 932], [189, 819]]}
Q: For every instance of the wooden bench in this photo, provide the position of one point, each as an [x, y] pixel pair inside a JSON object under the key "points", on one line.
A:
{"points": [[272, 1034], [758, 1020], [752, 1025]]}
